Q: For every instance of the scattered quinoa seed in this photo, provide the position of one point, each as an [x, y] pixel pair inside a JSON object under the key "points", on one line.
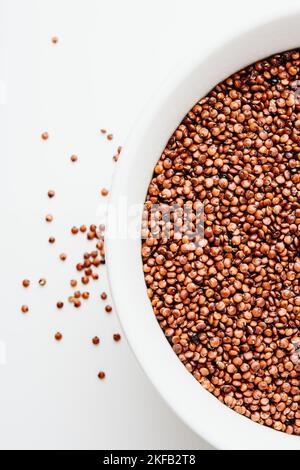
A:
{"points": [[24, 309], [26, 283], [95, 340], [58, 336], [45, 136], [59, 305], [117, 337], [108, 309], [116, 157], [104, 192], [101, 375]]}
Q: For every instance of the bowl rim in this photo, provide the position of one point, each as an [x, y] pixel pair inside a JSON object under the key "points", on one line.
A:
{"points": [[114, 249]]}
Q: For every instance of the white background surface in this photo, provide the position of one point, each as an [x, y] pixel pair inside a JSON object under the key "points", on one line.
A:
{"points": [[110, 57]]}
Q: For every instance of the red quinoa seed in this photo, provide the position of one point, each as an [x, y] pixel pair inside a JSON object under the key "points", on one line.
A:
{"points": [[58, 336]]}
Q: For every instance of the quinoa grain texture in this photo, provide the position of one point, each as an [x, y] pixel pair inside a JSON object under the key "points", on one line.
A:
{"points": [[230, 305]]}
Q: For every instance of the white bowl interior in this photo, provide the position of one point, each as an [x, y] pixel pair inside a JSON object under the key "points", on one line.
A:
{"points": [[208, 417]]}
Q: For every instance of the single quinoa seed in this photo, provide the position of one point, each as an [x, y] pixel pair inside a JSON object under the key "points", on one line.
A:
{"points": [[74, 230], [90, 235], [116, 157], [51, 193], [73, 283], [45, 136], [24, 309], [63, 256], [49, 218], [51, 240], [110, 136], [95, 340], [226, 291], [195, 338], [103, 296], [54, 39], [116, 337], [42, 282], [59, 305], [108, 309], [101, 375], [74, 158], [26, 283], [104, 192], [58, 336]]}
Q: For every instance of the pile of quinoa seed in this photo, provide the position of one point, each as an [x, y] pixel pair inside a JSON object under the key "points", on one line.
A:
{"points": [[230, 306]]}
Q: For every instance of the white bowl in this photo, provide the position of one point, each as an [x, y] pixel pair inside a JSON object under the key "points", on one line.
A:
{"points": [[207, 416]]}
